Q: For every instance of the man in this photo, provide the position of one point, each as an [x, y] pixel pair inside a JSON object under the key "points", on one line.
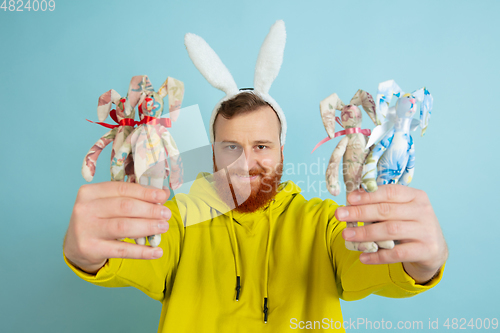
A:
{"points": [[245, 252], [270, 263]]}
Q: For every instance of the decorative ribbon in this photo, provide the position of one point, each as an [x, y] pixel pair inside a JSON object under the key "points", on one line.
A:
{"points": [[344, 132], [123, 122], [166, 122]]}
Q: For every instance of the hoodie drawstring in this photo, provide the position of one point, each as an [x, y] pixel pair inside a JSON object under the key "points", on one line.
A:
{"points": [[266, 267], [236, 256]]}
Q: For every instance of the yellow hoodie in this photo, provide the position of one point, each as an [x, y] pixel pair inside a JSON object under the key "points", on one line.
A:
{"points": [[265, 271]]}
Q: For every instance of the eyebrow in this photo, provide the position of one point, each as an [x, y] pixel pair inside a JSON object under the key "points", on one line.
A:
{"points": [[258, 142]]}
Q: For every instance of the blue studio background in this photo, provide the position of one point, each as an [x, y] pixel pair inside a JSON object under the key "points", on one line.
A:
{"points": [[55, 64]]}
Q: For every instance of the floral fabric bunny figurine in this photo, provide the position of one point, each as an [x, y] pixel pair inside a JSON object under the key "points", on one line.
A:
{"points": [[123, 115], [150, 143], [392, 160], [351, 148]]}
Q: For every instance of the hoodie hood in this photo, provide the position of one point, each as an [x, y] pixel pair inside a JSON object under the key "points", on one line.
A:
{"points": [[204, 198]]}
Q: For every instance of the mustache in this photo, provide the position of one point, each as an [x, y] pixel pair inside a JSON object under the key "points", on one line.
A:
{"points": [[253, 172], [256, 171]]}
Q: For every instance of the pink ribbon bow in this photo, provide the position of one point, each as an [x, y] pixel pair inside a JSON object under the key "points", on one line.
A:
{"points": [[343, 132]]}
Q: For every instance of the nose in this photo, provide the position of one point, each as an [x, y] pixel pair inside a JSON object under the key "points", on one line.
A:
{"points": [[250, 158], [241, 163]]}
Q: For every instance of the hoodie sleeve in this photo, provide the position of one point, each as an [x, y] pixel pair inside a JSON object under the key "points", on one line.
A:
{"points": [[153, 277], [356, 280]]}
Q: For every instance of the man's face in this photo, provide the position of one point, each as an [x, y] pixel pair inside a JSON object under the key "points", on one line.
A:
{"points": [[248, 146]]}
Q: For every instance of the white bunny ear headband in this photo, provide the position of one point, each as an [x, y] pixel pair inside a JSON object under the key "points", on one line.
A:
{"points": [[266, 70]]}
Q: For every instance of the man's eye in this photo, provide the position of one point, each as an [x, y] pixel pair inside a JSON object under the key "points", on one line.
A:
{"points": [[231, 147], [261, 147]]}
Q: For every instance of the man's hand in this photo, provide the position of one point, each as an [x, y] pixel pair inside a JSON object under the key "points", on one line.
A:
{"points": [[105, 212], [405, 214]]}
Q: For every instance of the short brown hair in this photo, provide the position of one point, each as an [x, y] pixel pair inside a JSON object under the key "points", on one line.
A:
{"points": [[240, 104]]}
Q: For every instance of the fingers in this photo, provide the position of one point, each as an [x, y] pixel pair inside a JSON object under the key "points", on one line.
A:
{"points": [[129, 207], [382, 231], [117, 249], [385, 193], [131, 228], [104, 212], [377, 212], [166, 189], [109, 189], [407, 252]]}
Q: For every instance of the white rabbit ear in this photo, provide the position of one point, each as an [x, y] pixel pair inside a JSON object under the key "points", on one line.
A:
{"points": [[104, 103], [209, 64], [327, 108], [270, 57], [386, 90]]}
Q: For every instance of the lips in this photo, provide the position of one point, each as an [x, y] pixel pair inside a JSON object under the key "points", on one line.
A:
{"points": [[246, 177]]}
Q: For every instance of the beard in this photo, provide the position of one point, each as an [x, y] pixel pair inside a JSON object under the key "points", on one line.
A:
{"points": [[250, 197]]}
